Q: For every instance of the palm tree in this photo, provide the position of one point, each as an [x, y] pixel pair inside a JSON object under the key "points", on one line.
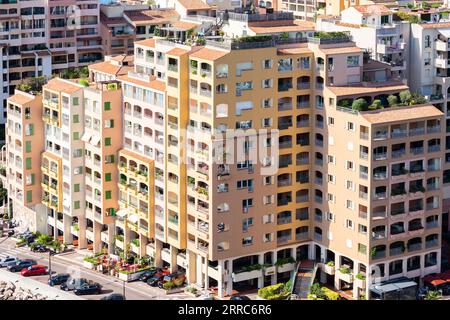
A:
{"points": [[433, 295]]}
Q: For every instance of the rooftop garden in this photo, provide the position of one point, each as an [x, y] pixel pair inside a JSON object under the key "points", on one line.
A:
{"points": [[404, 98], [32, 85], [330, 34]]}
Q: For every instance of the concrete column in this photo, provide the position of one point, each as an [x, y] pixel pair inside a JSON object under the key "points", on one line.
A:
{"points": [[220, 281], [126, 241], [337, 265], [275, 275], [82, 241], [261, 278], [173, 259], [191, 260], [311, 251], [158, 248], [229, 289], [206, 274], [111, 235], [97, 237], [143, 240], [67, 222], [199, 275]]}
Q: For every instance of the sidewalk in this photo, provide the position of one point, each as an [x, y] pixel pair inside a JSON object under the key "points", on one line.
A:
{"points": [[37, 287]]}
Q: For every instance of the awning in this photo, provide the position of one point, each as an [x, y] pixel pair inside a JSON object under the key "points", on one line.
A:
{"points": [[95, 140], [444, 32], [438, 282], [122, 213], [133, 218], [86, 137]]}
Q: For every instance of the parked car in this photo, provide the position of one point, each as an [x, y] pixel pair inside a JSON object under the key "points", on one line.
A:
{"points": [[38, 248], [21, 264], [58, 279], [88, 288], [177, 278], [72, 283], [157, 278], [36, 270], [8, 261], [148, 274], [237, 297], [114, 296]]}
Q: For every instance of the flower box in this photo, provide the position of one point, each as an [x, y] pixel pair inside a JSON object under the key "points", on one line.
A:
{"points": [[286, 267], [130, 276], [360, 283], [329, 269], [269, 270], [174, 290], [347, 277], [241, 276]]}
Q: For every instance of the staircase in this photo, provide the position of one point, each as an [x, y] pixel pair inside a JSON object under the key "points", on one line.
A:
{"points": [[304, 278]]}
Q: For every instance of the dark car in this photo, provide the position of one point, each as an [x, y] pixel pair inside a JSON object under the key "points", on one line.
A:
{"points": [[148, 274], [114, 296], [177, 278], [21, 264], [58, 279], [88, 288], [157, 278], [239, 298], [73, 283], [39, 248]]}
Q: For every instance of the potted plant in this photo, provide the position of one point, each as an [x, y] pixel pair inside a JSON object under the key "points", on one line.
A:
{"points": [[329, 268], [360, 280], [345, 274]]}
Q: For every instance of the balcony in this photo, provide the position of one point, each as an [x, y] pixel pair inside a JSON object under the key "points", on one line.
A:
{"points": [[283, 239], [377, 235], [302, 236], [431, 243], [380, 156]]}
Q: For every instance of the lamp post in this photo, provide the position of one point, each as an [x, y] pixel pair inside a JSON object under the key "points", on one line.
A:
{"points": [[123, 288], [49, 265]]}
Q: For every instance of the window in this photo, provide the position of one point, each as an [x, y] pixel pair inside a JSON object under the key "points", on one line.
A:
{"points": [[76, 187], [349, 165], [246, 223], [362, 229], [108, 194], [109, 123], [244, 184], [247, 241], [76, 204], [268, 237], [350, 126], [108, 176], [75, 101], [349, 223], [352, 61], [75, 136], [427, 42], [29, 129], [330, 121], [349, 204], [266, 103], [76, 118], [331, 159], [107, 141], [331, 178], [267, 83], [331, 197], [107, 105], [267, 122], [267, 64], [362, 248], [109, 158], [330, 216], [349, 184]]}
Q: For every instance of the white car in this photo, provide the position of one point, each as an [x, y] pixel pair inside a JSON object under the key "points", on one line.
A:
{"points": [[8, 261]]}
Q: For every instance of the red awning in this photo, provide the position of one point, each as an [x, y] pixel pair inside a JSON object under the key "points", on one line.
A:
{"points": [[438, 282]]}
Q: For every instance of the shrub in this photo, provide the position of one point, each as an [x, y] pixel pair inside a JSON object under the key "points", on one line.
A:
{"points": [[433, 295], [274, 292], [359, 104], [360, 276], [330, 263], [283, 261], [329, 294], [44, 239], [405, 96], [344, 270], [192, 290], [376, 104], [119, 237], [84, 82], [392, 100], [168, 285]]}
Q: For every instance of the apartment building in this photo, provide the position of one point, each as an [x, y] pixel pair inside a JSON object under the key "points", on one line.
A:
{"points": [[373, 28], [42, 38], [429, 76], [24, 144], [122, 24]]}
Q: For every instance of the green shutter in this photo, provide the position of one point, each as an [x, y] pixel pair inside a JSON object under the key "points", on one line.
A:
{"points": [[108, 176], [76, 136], [76, 187], [107, 105], [28, 163], [27, 146], [31, 129], [76, 204], [75, 101], [108, 194], [32, 178], [107, 141], [29, 195], [76, 118]]}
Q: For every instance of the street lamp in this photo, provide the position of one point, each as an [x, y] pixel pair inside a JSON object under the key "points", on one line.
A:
{"points": [[49, 265], [123, 288]]}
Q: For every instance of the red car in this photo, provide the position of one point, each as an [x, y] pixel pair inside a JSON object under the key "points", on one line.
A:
{"points": [[36, 270]]}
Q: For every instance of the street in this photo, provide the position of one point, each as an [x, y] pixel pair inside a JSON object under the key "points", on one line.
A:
{"points": [[60, 264]]}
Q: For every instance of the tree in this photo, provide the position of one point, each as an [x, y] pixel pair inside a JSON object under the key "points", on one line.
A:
{"points": [[417, 98], [359, 104], [84, 82], [392, 100], [376, 104], [3, 194], [405, 97]]}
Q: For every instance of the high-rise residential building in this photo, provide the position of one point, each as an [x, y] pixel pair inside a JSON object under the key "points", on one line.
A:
{"points": [[42, 38], [231, 161], [374, 29]]}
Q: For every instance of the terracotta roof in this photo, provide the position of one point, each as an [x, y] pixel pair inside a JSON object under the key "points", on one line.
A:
{"points": [[284, 26], [177, 52], [341, 50], [375, 65], [295, 50], [194, 4], [62, 85], [359, 89], [152, 84], [372, 9], [396, 114], [184, 25], [151, 16], [134, 155], [21, 98], [111, 67], [146, 43], [435, 25], [346, 24], [208, 54], [114, 20]]}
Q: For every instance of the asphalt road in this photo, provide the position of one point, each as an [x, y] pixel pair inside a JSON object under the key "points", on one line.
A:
{"points": [[133, 291]]}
